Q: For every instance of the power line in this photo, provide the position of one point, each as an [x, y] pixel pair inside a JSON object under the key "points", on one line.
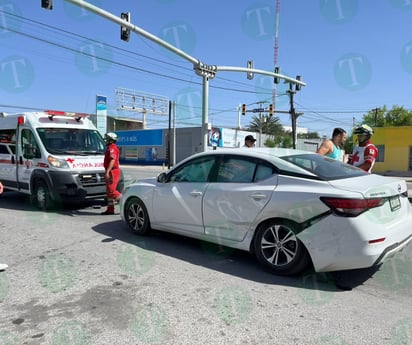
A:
{"points": [[128, 66], [117, 49]]}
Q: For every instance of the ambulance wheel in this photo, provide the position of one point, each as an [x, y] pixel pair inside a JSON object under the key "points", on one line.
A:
{"points": [[41, 196]]}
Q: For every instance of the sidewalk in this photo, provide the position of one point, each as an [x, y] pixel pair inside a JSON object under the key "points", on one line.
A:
{"points": [[403, 174]]}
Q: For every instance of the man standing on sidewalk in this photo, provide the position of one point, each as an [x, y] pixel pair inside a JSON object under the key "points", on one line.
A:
{"points": [[112, 172]]}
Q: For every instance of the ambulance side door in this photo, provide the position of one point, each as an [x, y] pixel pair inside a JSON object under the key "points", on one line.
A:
{"points": [[28, 156]]}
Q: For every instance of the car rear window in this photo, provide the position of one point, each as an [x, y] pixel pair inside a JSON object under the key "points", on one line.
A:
{"points": [[324, 167]]}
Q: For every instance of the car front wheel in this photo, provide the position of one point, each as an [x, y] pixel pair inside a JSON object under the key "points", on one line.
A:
{"points": [[41, 196], [277, 248], [136, 216]]}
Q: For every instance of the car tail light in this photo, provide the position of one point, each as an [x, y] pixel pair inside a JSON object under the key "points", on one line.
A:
{"points": [[377, 240], [351, 207]]}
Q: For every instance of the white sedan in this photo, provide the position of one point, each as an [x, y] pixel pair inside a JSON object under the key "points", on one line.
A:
{"points": [[289, 208]]}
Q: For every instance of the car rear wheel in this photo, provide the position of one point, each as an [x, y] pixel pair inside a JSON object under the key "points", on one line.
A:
{"points": [[278, 249], [136, 216]]}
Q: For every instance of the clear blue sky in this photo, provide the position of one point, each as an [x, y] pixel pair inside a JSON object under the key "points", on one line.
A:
{"points": [[354, 55]]}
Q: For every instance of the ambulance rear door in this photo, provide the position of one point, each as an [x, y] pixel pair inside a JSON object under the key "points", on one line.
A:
{"points": [[8, 164]]}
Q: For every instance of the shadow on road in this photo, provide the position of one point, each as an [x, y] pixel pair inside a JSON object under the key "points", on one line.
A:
{"points": [[230, 261], [21, 202], [223, 259]]}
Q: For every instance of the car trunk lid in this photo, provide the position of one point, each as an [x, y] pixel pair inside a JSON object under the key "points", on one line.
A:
{"points": [[372, 186]]}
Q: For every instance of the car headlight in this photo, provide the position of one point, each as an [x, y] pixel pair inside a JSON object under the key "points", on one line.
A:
{"points": [[57, 162]]}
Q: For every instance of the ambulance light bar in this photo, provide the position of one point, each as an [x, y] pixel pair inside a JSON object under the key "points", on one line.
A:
{"points": [[77, 116]]}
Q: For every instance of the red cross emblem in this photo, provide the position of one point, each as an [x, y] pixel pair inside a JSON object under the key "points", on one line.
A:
{"points": [[355, 157]]}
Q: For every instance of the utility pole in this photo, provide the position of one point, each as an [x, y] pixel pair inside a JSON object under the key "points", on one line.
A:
{"points": [[293, 114], [262, 120], [376, 115]]}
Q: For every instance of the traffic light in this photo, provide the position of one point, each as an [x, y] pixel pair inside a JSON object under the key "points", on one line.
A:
{"points": [[125, 32], [47, 4], [250, 75], [297, 86], [276, 79], [270, 109], [243, 109]]}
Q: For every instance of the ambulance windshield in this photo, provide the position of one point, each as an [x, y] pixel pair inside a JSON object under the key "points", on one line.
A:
{"points": [[72, 141]]}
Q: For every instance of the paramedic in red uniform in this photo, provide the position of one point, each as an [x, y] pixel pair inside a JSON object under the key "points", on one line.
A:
{"points": [[112, 171], [365, 153]]}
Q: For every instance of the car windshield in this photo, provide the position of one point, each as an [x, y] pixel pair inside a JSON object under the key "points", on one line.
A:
{"points": [[72, 141], [324, 167]]}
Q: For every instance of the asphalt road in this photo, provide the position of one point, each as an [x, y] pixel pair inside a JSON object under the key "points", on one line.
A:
{"points": [[77, 277]]}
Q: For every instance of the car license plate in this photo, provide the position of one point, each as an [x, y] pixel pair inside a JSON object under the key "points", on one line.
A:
{"points": [[395, 203]]}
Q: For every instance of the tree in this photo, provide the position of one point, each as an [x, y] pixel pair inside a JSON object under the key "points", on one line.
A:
{"points": [[381, 117], [375, 117], [398, 116], [287, 141], [269, 125]]}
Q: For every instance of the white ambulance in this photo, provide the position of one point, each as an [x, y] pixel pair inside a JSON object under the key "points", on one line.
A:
{"points": [[53, 156]]}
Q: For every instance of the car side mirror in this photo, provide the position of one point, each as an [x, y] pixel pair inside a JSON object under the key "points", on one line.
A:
{"points": [[162, 177]]}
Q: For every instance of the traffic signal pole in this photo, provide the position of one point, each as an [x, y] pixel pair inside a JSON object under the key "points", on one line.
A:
{"points": [[207, 72], [205, 112]]}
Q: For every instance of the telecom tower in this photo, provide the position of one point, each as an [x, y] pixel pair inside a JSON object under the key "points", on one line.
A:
{"points": [[276, 49]]}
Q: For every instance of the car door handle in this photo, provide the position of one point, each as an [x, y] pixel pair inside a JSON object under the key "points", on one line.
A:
{"points": [[259, 196], [196, 193]]}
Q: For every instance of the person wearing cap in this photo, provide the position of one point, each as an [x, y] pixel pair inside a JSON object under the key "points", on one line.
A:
{"points": [[2, 266], [364, 154], [112, 171], [332, 148], [249, 141]]}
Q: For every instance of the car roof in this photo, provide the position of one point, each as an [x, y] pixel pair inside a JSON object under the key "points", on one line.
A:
{"points": [[264, 153], [272, 155], [259, 152]]}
